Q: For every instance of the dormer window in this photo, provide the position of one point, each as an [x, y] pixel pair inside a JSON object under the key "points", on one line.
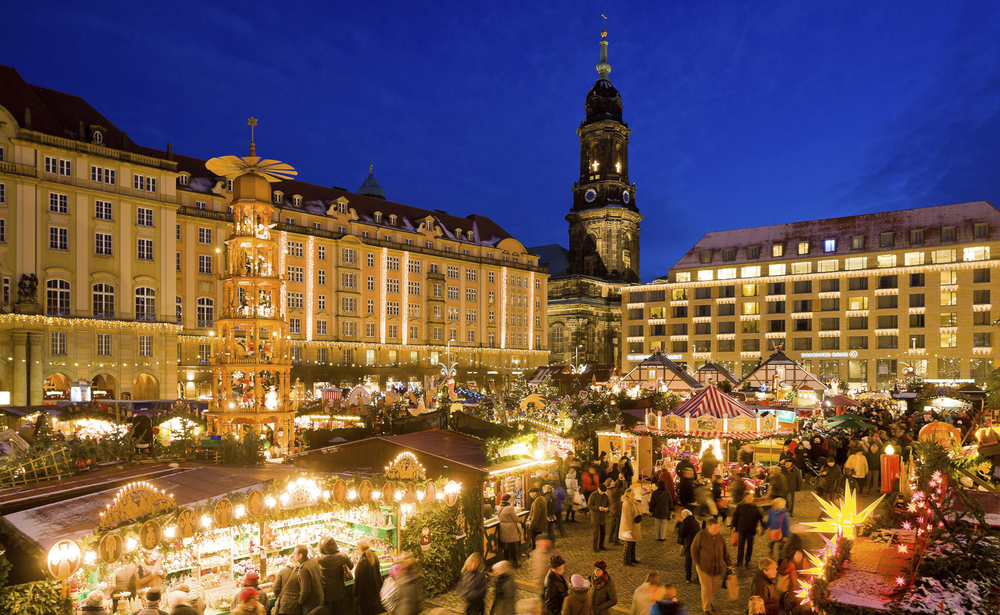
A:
{"points": [[392, 220], [378, 217], [297, 200], [183, 179], [470, 235], [278, 197], [229, 185], [98, 137], [341, 208], [803, 247], [777, 250], [458, 233]]}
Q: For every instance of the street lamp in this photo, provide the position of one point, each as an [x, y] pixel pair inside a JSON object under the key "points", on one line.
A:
{"points": [[576, 367], [449, 369]]}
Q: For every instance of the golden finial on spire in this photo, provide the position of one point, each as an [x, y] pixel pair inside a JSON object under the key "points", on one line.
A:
{"points": [[251, 122], [604, 26], [370, 165]]}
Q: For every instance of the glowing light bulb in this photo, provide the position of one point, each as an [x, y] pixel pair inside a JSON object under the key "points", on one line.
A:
{"points": [[352, 494], [170, 532], [889, 450], [206, 521], [131, 544], [376, 494], [270, 502], [239, 511]]}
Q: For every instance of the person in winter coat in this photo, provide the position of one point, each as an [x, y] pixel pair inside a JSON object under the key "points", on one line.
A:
{"points": [[746, 520], [746, 454], [510, 530], [646, 595], [541, 559], [775, 483], [472, 585], [538, 519], [661, 507], [602, 589], [777, 519], [786, 452], [589, 482], [793, 483], [630, 527], [874, 469], [152, 601], [830, 476], [684, 464], [764, 586], [310, 580], [286, 589], [249, 603], [93, 604], [550, 509], [409, 587], [710, 553], [857, 468], [572, 489], [721, 507], [708, 464], [368, 581], [599, 504], [627, 472], [615, 490], [554, 588], [668, 480], [578, 602], [669, 605], [687, 529], [504, 592], [331, 562], [685, 488], [252, 580], [559, 495]]}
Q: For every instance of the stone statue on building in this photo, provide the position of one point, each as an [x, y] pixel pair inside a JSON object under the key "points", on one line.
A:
{"points": [[27, 289]]}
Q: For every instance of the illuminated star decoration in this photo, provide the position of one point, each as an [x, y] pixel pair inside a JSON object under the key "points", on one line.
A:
{"points": [[844, 519], [817, 566], [803, 593]]}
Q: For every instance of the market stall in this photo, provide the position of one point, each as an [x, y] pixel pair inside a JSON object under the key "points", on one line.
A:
{"points": [[782, 378], [713, 373], [659, 373]]}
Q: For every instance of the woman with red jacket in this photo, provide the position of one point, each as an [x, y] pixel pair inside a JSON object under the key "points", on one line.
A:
{"points": [[589, 482]]}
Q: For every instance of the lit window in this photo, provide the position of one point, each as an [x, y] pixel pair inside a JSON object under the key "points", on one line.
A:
{"points": [[913, 258], [777, 250], [776, 269], [803, 247], [978, 253], [827, 266], [887, 260], [683, 276], [704, 275], [745, 272], [858, 262], [830, 245]]}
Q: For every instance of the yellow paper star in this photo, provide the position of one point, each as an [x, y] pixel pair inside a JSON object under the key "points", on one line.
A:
{"points": [[844, 519], [817, 569], [803, 593]]}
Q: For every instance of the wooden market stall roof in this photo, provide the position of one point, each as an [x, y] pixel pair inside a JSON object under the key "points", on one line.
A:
{"points": [[788, 371], [710, 371], [596, 374], [659, 369], [77, 517]]}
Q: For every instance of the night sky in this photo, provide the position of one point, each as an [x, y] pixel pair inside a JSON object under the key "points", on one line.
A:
{"points": [[743, 113]]}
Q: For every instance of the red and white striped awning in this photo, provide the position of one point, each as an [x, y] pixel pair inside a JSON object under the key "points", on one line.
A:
{"points": [[711, 401], [710, 435], [331, 394]]}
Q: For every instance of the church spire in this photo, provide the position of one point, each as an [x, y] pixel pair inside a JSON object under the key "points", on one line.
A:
{"points": [[603, 67]]}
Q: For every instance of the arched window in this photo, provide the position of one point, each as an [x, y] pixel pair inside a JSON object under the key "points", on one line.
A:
{"points": [[57, 298], [104, 301], [145, 303], [206, 312]]}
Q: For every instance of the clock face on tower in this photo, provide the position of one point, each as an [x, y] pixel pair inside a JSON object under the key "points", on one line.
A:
{"points": [[590, 195], [626, 197]]}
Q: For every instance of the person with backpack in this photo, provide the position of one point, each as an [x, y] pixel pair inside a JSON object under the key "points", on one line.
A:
{"points": [[286, 589], [333, 563], [472, 585], [778, 524], [367, 581]]}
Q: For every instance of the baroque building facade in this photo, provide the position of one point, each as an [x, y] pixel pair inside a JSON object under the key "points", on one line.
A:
{"points": [[584, 309], [111, 255], [866, 300]]}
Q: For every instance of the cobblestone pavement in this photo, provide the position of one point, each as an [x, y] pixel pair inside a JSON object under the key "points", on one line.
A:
{"points": [[662, 557]]}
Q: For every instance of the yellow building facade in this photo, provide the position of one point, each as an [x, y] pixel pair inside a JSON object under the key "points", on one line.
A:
{"points": [[127, 244], [866, 300]]}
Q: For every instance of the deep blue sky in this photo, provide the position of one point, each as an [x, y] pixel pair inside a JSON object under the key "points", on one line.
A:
{"points": [[743, 113]]}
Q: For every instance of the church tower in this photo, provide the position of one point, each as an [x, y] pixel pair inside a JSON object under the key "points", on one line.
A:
{"points": [[604, 220]]}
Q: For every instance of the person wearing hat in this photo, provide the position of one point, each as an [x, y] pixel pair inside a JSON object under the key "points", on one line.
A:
{"points": [[602, 589], [331, 565], [669, 605], [541, 557], [252, 580], [554, 588], [598, 505], [538, 519], [94, 603], [830, 476], [793, 483], [249, 604], [616, 487], [687, 529], [510, 530], [152, 601], [578, 602]]}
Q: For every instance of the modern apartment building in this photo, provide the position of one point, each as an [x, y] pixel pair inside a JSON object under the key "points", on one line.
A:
{"points": [[126, 244], [864, 299]]}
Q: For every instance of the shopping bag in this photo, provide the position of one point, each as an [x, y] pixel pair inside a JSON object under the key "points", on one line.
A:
{"points": [[756, 606], [733, 586], [734, 539]]}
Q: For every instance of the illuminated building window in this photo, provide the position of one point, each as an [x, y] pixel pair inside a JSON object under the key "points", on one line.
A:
{"points": [[104, 344], [58, 343]]}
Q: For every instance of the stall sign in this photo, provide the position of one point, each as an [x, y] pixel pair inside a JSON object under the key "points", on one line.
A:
{"points": [[255, 503], [111, 548], [64, 559], [187, 523], [135, 501], [388, 492], [405, 467], [786, 416], [80, 391], [339, 491], [365, 491], [940, 432], [150, 535], [222, 513]]}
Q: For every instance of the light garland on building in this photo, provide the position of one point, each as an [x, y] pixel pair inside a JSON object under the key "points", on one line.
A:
{"points": [[503, 307], [404, 303], [310, 282], [60, 321], [531, 308]]}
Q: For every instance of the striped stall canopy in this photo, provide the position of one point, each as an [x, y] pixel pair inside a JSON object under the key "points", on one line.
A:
{"points": [[711, 401], [711, 435], [331, 394]]}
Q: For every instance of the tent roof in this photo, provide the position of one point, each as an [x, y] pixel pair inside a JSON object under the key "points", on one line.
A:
{"points": [[711, 401], [799, 376], [840, 400], [674, 378], [707, 370]]}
